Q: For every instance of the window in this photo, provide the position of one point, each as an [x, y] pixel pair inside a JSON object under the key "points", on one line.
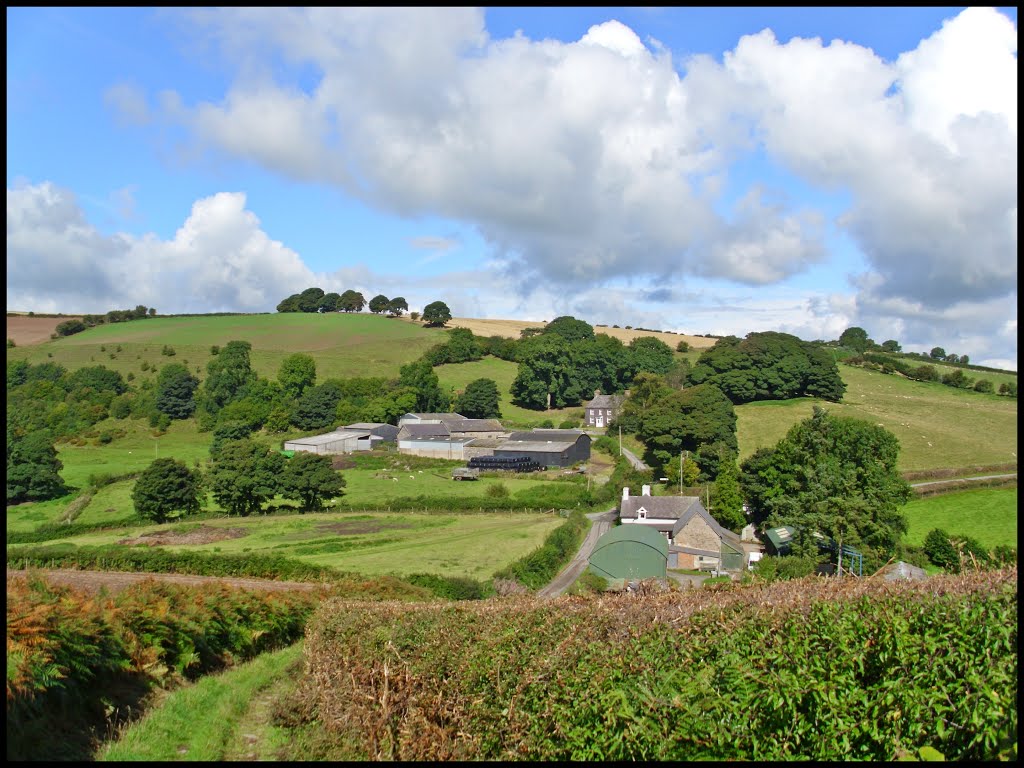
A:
{"points": [[641, 514]]}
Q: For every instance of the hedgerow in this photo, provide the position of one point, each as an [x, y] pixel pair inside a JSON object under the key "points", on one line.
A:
{"points": [[812, 669]]}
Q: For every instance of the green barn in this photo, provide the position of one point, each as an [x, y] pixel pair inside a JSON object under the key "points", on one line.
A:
{"points": [[630, 552]]}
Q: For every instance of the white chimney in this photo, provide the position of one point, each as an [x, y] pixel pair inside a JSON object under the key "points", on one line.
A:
{"points": [[625, 493], [645, 490]]}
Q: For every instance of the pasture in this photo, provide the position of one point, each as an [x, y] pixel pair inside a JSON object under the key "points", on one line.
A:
{"points": [[937, 426], [343, 345], [473, 545], [986, 514]]}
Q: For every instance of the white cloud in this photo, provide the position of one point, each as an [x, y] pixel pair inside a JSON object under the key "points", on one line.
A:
{"points": [[219, 260]]}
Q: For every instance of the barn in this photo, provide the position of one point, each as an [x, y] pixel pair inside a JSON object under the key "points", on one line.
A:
{"points": [[333, 443], [549, 447], [630, 552]]}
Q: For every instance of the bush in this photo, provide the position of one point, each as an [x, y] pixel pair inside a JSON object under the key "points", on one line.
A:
{"points": [[168, 350], [569, 424], [498, 491], [984, 385], [10, 343]]}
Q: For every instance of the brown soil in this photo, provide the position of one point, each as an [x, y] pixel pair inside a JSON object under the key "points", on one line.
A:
{"points": [[27, 330], [356, 527], [511, 328], [204, 535]]}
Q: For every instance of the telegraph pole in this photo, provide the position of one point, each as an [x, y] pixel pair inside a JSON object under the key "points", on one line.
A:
{"points": [[620, 440]]}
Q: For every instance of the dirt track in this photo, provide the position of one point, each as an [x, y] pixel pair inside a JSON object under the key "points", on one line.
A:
{"points": [[93, 581]]}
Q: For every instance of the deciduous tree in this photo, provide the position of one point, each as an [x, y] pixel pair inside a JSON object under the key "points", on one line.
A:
{"points": [[296, 373], [176, 391], [164, 487], [436, 313], [33, 469], [834, 475], [244, 475], [397, 306], [379, 303], [479, 400], [310, 479]]}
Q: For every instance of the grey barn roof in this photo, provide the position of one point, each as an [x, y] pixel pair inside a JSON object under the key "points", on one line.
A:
{"points": [[542, 435], [474, 425], [424, 430], [547, 446], [330, 437]]}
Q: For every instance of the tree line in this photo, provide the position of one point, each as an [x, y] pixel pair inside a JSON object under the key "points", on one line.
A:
{"points": [[73, 326]]}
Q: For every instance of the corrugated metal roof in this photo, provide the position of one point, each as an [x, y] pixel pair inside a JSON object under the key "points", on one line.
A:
{"points": [[475, 425], [535, 446], [424, 430], [330, 437], [561, 435]]}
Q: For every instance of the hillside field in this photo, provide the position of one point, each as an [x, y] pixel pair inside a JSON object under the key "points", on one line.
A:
{"points": [[938, 426]]}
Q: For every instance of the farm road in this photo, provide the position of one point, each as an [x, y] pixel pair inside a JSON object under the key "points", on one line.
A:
{"points": [[962, 480], [602, 522]]}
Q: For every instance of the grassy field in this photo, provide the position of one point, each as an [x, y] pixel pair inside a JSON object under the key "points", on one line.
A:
{"points": [[343, 345], [474, 545], [987, 514], [937, 426]]}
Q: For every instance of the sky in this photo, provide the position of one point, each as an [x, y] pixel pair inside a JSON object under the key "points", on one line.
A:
{"points": [[699, 170]]}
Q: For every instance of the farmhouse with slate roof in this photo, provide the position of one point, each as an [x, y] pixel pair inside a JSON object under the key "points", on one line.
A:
{"points": [[600, 411], [696, 540]]}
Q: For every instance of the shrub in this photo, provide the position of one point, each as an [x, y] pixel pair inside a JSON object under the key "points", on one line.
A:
{"points": [[498, 491]]}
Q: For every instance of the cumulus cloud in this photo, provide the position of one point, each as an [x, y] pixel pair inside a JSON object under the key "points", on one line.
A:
{"points": [[219, 260]]}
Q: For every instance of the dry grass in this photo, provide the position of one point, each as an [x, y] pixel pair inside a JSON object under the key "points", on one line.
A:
{"points": [[512, 328]]}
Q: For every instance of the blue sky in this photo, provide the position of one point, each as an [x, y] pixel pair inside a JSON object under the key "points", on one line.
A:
{"points": [[703, 170]]}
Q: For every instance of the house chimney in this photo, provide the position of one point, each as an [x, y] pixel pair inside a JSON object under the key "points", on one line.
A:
{"points": [[626, 394], [645, 490], [597, 392], [625, 493]]}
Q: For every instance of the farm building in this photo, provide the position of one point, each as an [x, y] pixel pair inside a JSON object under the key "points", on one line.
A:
{"points": [[387, 431], [482, 446], [695, 539], [481, 428], [549, 447], [600, 411], [780, 540], [414, 430], [332, 443], [434, 446], [630, 552], [429, 418]]}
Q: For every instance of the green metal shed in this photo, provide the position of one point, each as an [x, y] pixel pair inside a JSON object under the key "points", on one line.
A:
{"points": [[630, 551]]}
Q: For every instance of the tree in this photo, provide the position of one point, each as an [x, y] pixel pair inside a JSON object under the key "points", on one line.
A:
{"points": [[33, 469], [651, 354], [570, 329], [856, 339], [419, 376], [309, 299], [891, 345], [397, 306], [1008, 389], [227, 375], [176, 391], [937, 353], [296, 373], [351, 301], [244, 475], [379, 303], [69, 327], [984, 385], [833, 475], [436, 313], [543, 371], [291, 304], [164, 487], [331, 302], [728, 498], [309, 478], [685, 420], [479, 400], [940, 550], [315, 408], [683, 346], [97, 378], [957, 379], [769, 366]]}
